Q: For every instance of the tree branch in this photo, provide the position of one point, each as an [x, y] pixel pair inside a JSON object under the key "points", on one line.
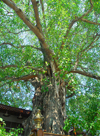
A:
{"points": [[42, 6], [26, 77], [89, 46], [76, 63], [74, 21], [15, 66], [95, 38], [22, 46], [6, 83], [85, 74], [8, 44], [92, 46], [90, 22], [36, 69], [41, 1], [23, 17], [33, 28], [8, 66], [17, 32], [35, 7], [70, 95]]}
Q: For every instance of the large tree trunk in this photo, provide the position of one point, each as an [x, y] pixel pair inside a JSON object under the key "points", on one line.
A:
{"points": [[54, 109], [51, 103]]}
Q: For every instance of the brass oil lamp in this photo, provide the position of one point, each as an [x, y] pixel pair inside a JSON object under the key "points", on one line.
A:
{"points": [[38, 119]]}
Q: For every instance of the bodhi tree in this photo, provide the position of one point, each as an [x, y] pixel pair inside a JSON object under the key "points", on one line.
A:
{"points": [[48, 45]]}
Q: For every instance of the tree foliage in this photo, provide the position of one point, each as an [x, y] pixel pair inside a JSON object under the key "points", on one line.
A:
{"points": [[12, 132], [84, 112], [59, 35]]}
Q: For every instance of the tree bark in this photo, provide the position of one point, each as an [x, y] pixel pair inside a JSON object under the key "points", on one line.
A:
{"points": [[51, 104]]}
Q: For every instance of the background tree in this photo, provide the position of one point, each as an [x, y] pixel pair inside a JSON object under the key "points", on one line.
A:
{"points": [[48, 45], [83, 111]]}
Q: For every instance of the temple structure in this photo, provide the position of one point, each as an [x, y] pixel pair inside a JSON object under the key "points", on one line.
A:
{"points": [[13, 117]]}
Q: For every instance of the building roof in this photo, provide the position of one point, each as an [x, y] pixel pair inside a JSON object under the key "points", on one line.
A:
{"points": [[14, 111]]}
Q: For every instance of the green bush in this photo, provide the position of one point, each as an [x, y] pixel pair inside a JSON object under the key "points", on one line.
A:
{"points": [[12, 132]]}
